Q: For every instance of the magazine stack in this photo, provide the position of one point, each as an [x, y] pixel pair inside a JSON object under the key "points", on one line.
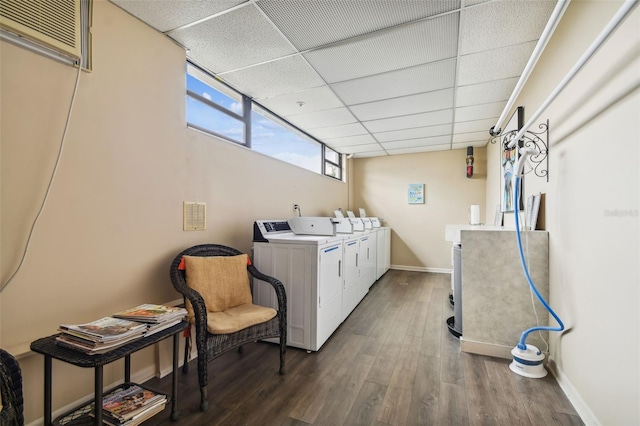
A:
{"points": [[101, 336], [131, 404], [157, 317]]}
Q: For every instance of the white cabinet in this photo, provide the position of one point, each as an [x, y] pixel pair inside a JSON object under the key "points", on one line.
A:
{"points": [[383, 255], [359, 269], [312, 278]]}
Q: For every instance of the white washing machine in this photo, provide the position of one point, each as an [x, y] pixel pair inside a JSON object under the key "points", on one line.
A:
{"points": [[310, 267]]}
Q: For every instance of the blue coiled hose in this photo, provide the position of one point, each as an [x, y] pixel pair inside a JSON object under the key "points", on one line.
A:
{"points": [[523, 339]]}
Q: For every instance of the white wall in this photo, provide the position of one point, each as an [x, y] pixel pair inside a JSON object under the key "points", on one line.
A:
{"points": [[592, 210], [113, 221]]}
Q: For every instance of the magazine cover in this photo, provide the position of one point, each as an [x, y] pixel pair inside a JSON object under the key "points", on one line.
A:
{"points": [[126, 403], [151, 313], [107, 328]]}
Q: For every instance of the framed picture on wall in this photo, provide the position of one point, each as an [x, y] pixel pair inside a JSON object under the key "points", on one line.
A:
{"points": [[508, 159], [416, 193]]}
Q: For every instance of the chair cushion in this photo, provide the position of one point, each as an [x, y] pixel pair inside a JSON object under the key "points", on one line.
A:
{"points": [[222, 281], [237, 318]]}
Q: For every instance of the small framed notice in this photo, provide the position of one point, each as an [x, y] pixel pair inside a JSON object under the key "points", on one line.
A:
{"points": [[416, 193]]}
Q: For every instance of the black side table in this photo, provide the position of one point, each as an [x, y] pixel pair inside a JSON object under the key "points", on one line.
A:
{"points": [[47, 347]]}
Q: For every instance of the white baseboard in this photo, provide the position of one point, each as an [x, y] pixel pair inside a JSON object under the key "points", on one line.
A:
{"points": [[421, 269], [581, 407]]}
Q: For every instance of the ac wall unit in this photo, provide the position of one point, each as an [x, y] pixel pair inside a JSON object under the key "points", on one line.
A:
{"points": [[55, 24]]}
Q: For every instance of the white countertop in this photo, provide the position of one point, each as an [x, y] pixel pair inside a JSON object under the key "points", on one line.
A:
{"points": [[452, 232]]}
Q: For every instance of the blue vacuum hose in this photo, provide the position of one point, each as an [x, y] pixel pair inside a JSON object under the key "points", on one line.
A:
{"points": [[523, 339]]}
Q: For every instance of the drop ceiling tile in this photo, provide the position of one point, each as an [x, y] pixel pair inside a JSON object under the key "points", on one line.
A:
{"points": [[482, 93], [418, 132], [478, 112], [344, 130], [316, 99], [410, 121], [223, 43], [519, 22], [291, 74], [326, 118], [413, 104], [165, 15], [474, 126], [419, 149], [370, 154], [392, 84], [358, 148], [502, 63], [470, 137], [411, 143], [310, 24], [389, 50], [350, 140], [475, 144]]}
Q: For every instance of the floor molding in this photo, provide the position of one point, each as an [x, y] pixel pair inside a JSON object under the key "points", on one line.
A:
{"points": [[421, 269], [579, 404]]}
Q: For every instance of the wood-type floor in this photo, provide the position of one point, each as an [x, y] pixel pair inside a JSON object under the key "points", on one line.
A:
{"points": [[392, 362]]}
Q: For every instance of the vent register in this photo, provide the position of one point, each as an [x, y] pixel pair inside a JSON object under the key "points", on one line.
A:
{"points": [[54, 24]]}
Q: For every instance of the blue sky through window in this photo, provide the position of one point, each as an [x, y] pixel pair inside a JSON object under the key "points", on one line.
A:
{"points": [[268, 135]]}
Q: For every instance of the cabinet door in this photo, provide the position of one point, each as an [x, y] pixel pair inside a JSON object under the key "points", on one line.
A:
{"points": [[329, 312], [367, 261], [351, 292]]}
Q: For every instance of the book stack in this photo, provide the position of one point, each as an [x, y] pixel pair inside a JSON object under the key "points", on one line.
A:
{"points": [[131, 404], [157, 317], [100, 336]]}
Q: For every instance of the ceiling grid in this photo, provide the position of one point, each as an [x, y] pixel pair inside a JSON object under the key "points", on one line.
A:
{"points": [[374, 77]]}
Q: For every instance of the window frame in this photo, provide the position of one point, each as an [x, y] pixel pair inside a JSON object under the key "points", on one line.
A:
{"points": [[246, 119]]}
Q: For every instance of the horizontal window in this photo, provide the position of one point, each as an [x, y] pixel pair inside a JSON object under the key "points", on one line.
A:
{"points": [[215, 108], [272, 137]]}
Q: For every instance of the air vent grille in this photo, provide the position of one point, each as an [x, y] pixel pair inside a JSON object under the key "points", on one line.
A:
{"points": [[54, 23], [194, 216]]}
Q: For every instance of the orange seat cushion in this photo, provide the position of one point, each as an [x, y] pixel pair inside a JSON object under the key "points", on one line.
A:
{"points": [[237, 318]]}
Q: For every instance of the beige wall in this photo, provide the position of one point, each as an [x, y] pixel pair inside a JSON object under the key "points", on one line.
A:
{"points": [[594, 251], [417, 238], [113, 221]]}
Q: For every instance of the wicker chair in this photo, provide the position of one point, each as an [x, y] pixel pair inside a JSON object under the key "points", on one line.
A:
{"points": [[12, 412], [210, 346]]}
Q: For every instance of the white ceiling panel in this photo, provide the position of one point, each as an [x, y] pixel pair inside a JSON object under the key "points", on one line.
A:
{"points": [[474, 126], [414, 104], [371, 154], [478, 112], [389, 50], [410, 121], [358, 148], [418, 132], [303, 102], [490, 91], [224, 44], [476, 144], [470, 137], [352, 140], [291, 74], [392, 84], [326, 118], [340, 131], [310, 24], [367, 71], [419, 149], [165, 15], [520, 22], [502, 63], [410, 143]]}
